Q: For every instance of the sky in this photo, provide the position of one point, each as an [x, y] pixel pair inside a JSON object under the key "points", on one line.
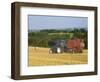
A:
{"points": [[40, 22]]}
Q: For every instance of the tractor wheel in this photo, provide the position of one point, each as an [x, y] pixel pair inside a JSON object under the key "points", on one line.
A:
{"points": [[50, 51]]}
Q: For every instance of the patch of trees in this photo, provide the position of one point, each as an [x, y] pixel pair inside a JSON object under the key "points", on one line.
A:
{"points": [[42, 37]]}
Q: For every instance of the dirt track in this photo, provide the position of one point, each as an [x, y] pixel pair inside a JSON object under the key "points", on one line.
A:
{"points": [[42, 57]]}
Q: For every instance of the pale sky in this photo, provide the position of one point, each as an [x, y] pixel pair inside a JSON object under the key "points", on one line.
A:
{"points": [[38, 22]]}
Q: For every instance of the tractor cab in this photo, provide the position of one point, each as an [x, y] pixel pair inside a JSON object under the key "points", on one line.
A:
{"points": [[57, 46]]}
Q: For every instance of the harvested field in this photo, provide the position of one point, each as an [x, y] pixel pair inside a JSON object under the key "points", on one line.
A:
{"points": [[42, 57]]}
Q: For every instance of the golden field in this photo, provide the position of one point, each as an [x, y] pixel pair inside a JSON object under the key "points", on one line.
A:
{"points": [[42, 57]]}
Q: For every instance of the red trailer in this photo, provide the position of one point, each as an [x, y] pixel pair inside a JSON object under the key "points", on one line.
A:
{"points": [[74, 45]]}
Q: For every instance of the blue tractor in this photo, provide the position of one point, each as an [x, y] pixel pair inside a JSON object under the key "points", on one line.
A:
{"points": [[57, 46]]}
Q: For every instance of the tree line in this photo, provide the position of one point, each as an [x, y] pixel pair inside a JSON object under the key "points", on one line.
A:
{"points": [[42, 37]]}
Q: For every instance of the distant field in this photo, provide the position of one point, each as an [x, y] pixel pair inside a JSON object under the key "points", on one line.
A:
{"points": [[61, 33], [42, 57]]}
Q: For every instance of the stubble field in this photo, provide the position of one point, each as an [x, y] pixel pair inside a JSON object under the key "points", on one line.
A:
{"points": [[42, 57]]}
